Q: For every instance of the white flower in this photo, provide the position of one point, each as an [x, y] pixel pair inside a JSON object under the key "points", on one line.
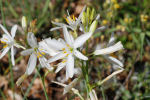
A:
{"points": [[9, 42], [93, 95], [111, 48], [72, 22], [35, 52], [67, 50]]}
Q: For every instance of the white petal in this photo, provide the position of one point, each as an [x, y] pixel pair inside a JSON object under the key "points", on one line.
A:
{"points": [[114, 60], [4, 29], [56, 57], [54, 44], [93, 95], [12, 56], [70, 86], [31, 64], [59, 24], [55, 28], [68, 37], [80, 55], [80, 16], [31, 39], [70, 66], [111, 41], [82, 39], [43, 62], [60, 66], [13, 31], [111, 49], [45, 48], [99, 29], [6, 38], [4, 52], [26, 52]]}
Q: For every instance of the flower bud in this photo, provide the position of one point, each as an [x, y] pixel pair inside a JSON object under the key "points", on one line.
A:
{"points": [[84, 18], [93, 26], [92, 15], [88, 14], [24, 22]]}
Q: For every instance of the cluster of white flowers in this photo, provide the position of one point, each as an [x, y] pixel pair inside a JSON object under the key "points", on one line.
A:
{"points": [[67, 50]]}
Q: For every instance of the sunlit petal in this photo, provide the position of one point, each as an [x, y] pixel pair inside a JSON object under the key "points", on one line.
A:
{"points": [[70, 66], [13, 31], [12, 56], [31, 39], [80, 55], [56, 57], [4, 52], [31, 64], [60, 66], [26, 52], [82, 39], [118, 46]]}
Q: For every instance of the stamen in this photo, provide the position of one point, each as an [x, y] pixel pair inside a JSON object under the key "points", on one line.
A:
{"points": [[67, 20], [64, 61], [67, 55], [63, 49], [65, 52], [73, 18], [5, 46]]}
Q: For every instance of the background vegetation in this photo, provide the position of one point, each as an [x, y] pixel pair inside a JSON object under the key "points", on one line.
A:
{"points": [[128, 19]]}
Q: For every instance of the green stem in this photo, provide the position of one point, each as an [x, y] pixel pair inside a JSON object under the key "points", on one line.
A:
{"points": [[2, 94], [43, 83]]}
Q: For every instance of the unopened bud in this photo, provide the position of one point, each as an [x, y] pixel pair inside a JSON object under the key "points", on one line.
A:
{"points": [[92, 15], [24, 22], [88, 14], [93, 26], [84, 18]]}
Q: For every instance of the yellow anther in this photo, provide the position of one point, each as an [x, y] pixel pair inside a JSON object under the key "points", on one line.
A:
{"points": [[64, 61], [43, 53], [3, 42], [63, 49], [68, 45], [67, 20], [64, 52], [5, 46], [73, 18], [67, 55]]}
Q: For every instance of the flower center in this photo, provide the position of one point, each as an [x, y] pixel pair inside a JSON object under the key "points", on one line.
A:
{"points": [[38, 52], [70, 20], [68, 50]]}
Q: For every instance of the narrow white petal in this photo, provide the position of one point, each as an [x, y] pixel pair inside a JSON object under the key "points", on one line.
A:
{"points": [[68, 37], [43, 62], [26, 52], [111, 49], [54, 44], [31, 39], [93, 95], [70, 66], [55, 28], [4, 29], [80, 55], [70, 86], [31, 64], [60, 66], [114, 60], [4, 52], [13, 31], [82, 39], [43, 46], [6, 38], [59, 24], [111, 41], [80, 16], [56, 57], [100, 28], [12, 56]]}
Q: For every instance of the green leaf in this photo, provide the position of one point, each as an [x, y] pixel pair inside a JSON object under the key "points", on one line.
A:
{"points": [[148, 33], [142, 37]]}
